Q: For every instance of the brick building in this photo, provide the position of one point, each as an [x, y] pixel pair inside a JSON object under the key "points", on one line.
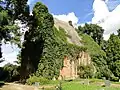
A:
{"points": [[69, 70]]}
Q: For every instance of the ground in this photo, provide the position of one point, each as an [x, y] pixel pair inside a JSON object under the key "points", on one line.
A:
{"points": [[13, 86], [66, 85]]}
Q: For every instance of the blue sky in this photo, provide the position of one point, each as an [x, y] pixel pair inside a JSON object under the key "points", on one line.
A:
{"points": [[81, 8]]}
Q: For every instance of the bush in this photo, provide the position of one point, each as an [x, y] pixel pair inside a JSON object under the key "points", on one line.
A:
{"points": [[34, 79], [11, 73], [115, 79], [85, 71]]}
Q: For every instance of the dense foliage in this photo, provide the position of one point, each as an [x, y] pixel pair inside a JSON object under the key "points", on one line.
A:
{"points": [[10, 73], [105, 54], [118, 31], [45, 47], [86, 71], [13, 72], [113, 54], [10, 12], [92, 47], [93, 30], [55, 56], [35, 39], [33, 79], [98, 55]]}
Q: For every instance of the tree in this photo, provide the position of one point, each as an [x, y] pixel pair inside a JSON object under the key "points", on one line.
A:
{"points": [[118, 31], [85, 71], [13, 72], [95, 31], [10, 11], [104, 45], [113, 54], [102, 69], [38, 36], [98, 57]]}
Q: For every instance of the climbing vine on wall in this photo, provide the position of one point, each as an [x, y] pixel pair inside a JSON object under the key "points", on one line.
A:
{"points": [[45, 46], [52, 60]]}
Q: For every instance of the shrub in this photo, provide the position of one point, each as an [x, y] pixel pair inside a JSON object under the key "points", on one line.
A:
{"points": [[11, 73], [85, 71], [115, 79], [34, 79]]}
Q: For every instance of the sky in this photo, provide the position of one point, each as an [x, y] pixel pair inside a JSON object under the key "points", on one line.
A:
{"points": [[105, 13], [81, 8]]}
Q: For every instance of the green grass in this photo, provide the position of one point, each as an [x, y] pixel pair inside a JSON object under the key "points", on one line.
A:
{"points": [[2, 82], [96, 80], [76, 85], [91, 45], [116, 82]]}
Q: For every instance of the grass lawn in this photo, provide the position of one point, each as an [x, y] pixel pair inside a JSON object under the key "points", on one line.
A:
{"points": [[75, 85], [78, 86]]}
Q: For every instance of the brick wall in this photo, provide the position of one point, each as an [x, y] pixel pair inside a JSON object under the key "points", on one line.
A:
{"points": [[69, 70]]}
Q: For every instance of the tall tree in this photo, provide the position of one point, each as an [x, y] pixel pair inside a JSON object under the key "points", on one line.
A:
{"points": [[95, 31], [38, 36], [10, 11], [118, 31], [113, 54]]}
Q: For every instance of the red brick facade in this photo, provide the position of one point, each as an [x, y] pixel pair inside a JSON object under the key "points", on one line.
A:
{"points": [[69, 70]]}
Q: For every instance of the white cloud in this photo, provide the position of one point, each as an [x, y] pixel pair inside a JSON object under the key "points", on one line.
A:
{"points": [[110, 21], [10, 53], [106, 1], [100, 10], [67, 17], [29, 2]]}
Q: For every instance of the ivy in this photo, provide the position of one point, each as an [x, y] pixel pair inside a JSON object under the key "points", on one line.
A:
{"points": [[54, 53], [45, 46]]}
